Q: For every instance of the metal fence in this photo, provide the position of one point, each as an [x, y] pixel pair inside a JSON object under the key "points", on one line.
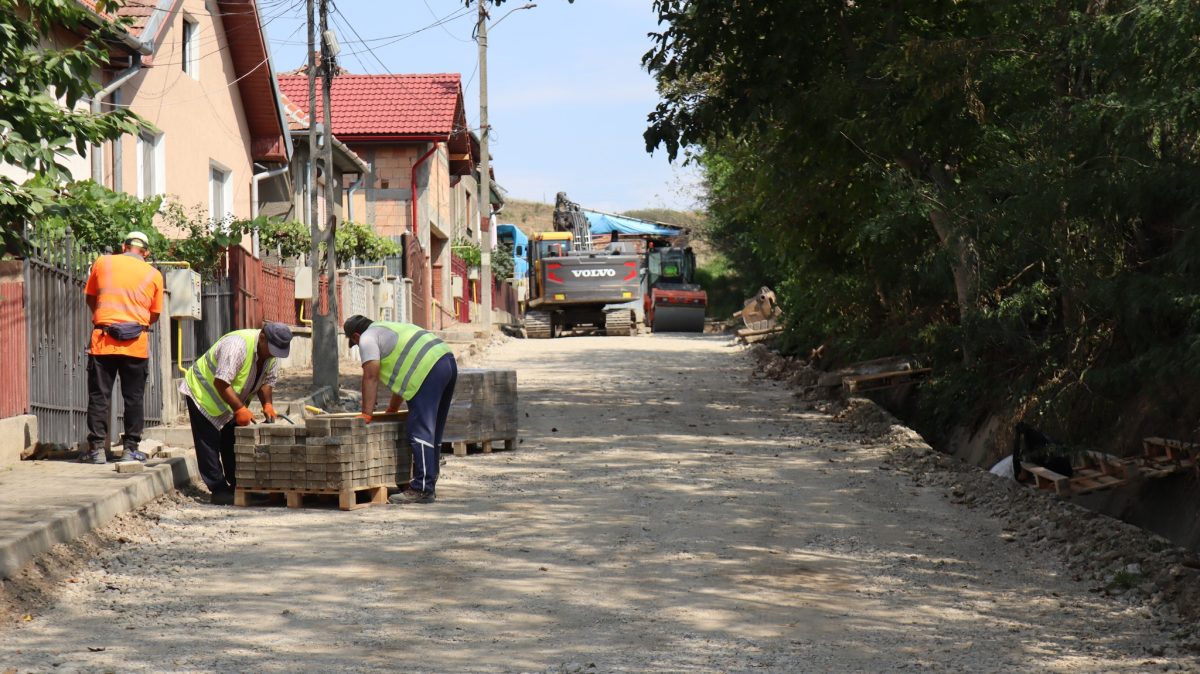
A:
{"points": [[58, 332], [14, 356], [263, 291], [462, 300]]}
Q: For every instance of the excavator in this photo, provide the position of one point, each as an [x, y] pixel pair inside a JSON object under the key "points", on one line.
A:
{"points": [[674, 301], [572, 285]]}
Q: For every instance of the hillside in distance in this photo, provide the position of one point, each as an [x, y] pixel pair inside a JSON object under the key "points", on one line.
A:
{"points": [[535, 216]]}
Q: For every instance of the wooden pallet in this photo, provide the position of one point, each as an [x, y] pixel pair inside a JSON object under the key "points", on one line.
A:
{"points": [[347, 498], [485, 446], [860, 383], [1162, 457]]}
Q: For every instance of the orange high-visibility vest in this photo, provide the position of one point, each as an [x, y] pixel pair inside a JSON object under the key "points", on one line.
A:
{"points": [[127, 290]]}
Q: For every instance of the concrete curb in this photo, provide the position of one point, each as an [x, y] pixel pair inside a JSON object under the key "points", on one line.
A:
{"points": [[159, 477]]}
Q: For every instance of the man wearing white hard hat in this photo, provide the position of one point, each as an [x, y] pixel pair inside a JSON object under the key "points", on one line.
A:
{"points": [[125, 295]]}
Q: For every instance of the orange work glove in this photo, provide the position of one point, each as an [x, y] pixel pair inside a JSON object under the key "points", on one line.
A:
{"points": [[269, 412], [365, 417], [242, 416], [392, 409]]}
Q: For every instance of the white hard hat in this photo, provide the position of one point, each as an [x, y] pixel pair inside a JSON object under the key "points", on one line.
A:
{"points": [[136, 238]]}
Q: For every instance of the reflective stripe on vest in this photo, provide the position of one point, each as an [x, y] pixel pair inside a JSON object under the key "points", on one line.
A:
{"points": [[415, 353], [201, 375], [118, 302]]}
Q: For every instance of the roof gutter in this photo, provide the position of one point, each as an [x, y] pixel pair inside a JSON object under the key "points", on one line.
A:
{"points": [[97, 100], [413, 186]]}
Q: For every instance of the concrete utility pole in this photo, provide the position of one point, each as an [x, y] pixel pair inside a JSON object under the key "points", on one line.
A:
{"points": [[485, 179], [324, 328]]}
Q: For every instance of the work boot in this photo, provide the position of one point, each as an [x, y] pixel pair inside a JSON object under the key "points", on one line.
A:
{"points": [[223, 497], [131, 454], [411, 496], [92, 455]]}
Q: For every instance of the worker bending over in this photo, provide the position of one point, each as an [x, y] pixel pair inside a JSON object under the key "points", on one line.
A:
{"points": [[218, 386], [416, 367]]}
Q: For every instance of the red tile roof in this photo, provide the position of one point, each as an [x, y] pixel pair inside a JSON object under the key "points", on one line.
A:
{"points": [[139, 11], [381, 106]]}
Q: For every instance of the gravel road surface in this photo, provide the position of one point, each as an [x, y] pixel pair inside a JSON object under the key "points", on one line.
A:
{"points": [[665, 511]]}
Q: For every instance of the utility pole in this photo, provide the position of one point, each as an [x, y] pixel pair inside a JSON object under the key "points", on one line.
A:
{"points": [[324, 328], [485, 179]]}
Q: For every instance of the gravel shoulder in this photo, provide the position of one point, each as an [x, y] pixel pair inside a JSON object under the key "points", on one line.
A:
{"points": [[666, 510]]}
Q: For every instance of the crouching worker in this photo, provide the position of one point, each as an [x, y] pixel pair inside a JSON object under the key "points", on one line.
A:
{"points": [[416, 367], [217, 388]]}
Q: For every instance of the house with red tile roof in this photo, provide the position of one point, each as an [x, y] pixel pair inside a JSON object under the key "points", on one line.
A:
{"points": [[421, 189], [200, 74]]}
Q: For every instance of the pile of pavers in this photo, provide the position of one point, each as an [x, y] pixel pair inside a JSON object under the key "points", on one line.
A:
{"points": [[484, 410], [328, 455]]}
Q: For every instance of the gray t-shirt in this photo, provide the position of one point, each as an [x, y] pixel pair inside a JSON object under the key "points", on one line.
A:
{"points": [[376, 342]]}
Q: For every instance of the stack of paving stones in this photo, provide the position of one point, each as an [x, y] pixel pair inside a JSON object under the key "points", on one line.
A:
{"points": [[327, 454], [484, 407]]}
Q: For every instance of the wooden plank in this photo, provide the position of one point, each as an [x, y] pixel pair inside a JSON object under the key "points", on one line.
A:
{"points": [[1049, 480], [882, 380]]}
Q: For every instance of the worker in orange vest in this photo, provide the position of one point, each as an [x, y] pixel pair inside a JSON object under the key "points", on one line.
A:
{"points": [[125, 295]]}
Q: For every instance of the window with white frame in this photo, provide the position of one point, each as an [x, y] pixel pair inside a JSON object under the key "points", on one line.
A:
{"points": [[151, 164], [190, 46], [220, 194]]}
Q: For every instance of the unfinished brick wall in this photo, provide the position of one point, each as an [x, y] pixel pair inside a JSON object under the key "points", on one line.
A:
{"points": [[327, 454]]}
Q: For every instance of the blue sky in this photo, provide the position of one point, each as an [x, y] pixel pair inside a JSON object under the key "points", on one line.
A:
{"points": [[567, 96]]}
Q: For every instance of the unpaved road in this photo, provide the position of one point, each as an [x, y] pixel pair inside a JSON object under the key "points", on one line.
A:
{"points": [[665, 512]]}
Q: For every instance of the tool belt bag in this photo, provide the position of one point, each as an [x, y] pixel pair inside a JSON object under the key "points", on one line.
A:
{"points": [[123, 331]]}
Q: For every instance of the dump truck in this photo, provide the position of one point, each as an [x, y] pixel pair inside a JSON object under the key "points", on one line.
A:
{"points": [[674, 302], [571, 285]]}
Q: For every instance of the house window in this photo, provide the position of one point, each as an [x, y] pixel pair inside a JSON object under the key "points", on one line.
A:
{"points": [[190, 58], [151, 164], [219, 194]]}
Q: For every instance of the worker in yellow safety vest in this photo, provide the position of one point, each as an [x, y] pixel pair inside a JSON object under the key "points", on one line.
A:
{"points": [[217, 388], [125, 295], [418, 368]]}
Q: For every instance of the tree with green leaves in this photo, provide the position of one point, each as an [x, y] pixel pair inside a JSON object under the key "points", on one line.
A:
{"points": [[1002, 185], [39, 89]]}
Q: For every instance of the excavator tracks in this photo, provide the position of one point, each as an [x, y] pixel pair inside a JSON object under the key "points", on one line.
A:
{"points": [[539, 325], [619, 324]]}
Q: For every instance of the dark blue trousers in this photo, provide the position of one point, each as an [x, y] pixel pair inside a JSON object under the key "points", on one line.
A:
{"points": [[427, 413]]}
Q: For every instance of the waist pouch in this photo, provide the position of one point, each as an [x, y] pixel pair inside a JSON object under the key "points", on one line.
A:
{"points": [[123, 331]]}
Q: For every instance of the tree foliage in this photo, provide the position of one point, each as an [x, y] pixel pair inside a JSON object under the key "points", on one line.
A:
{"points": [[40, 87], [1005, 186]]}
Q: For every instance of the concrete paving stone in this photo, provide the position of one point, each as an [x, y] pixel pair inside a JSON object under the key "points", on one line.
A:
{"points": [[44, 503]]}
